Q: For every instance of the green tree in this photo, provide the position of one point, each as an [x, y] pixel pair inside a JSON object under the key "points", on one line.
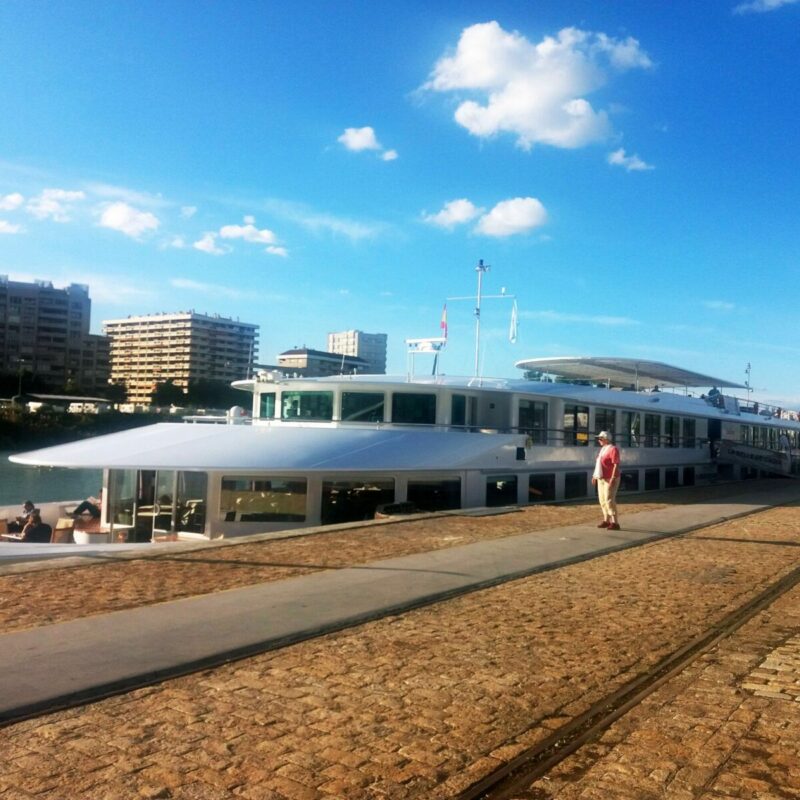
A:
{"points": [[168, 394]]}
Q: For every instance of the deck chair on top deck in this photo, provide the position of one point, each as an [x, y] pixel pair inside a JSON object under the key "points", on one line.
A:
{"points": [[62, 533]]}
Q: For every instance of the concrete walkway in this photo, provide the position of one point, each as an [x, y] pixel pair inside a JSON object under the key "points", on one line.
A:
{"points": [[73, 662]]}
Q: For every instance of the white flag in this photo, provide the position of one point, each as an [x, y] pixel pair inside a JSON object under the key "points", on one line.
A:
{"points": [[512, 330]]}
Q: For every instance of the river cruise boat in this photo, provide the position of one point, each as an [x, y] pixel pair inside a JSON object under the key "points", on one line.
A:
{"points": [[319, 451]]}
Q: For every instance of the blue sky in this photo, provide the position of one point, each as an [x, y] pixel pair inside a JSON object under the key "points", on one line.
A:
{"points": [[629, 170]]}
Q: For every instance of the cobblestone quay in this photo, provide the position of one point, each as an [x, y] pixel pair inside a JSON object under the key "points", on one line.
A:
{"points": [[422, 704]]}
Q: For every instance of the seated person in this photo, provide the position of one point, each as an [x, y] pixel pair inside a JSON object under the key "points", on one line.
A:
{"points": [[35, 530], [18, 523], [91, 506]]}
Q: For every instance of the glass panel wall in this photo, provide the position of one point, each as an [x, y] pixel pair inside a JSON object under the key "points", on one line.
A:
{"points": [[190, 502], [689, 433], [255, 499], [352, 501], [652, 479], [419, 409], [629, 480], [575, 485], [307, 405], [576, 426], [672, 431], [266, 405], [121, 496], [652, 430], [605, 419], [631, 429], [533, 420], [435, 495], [458, 410], [362, 406]]}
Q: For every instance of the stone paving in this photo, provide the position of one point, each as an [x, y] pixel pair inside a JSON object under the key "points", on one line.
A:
{"points": [[423, 704]]}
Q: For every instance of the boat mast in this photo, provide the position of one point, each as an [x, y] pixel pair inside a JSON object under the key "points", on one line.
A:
{"points": [[480, 269]]}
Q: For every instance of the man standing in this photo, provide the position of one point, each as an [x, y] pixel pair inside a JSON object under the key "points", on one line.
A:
{"points": [[606, 479]]}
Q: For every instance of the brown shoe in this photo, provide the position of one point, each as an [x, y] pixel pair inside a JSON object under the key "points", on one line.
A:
{"points": [[614, 526], [604, 524]]}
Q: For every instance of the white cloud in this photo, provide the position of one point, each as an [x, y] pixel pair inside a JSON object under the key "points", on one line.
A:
{"points": [[534, 91], [630, 163], [719, 305], [187, 212], [130, 196], [358, 139], [208, 244], [316, 221], [249, 233], [456, 212], [11, 202], [54, 204], [8, 227], [128, 220], [249, 220], [510, 217], [760, 6], [557, 316], [390, 155], [206, 288], [178, 242]]}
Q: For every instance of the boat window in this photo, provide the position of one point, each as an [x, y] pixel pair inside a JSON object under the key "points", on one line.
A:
{"points": [[629, 480], [353, 501], [258, 499], [533, 420], [190, 501], [672, 431], [763, 437], [688, 476], [266, 405], [414, 408], [671, 480], [458, 410], [689, 433], [501, 490], [362, 406], [541, 488], [745, 434], [652, 430], [576, 425], [605, 419], [121, 495], [307, 405], [652, 479], [435, 495], [575, 485], [631, 424]]}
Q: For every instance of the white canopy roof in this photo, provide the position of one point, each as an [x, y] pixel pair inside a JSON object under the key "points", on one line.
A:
{"points": [[270, 448], [623, 372]]}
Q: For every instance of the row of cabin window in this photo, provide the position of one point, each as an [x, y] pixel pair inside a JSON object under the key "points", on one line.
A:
{"points": [[768, 437]]}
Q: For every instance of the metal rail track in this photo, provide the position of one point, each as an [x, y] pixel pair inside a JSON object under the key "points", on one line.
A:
{"points": [[515, 777]]}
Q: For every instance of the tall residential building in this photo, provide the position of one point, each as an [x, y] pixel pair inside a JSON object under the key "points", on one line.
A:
{"points": [[371, 347], [309, 363], [45, 331], [181, 347]]}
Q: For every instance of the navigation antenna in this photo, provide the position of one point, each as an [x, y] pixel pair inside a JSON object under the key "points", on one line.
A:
{"points": [[480, 269]]}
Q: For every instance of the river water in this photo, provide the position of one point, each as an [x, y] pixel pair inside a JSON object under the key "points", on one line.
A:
{"points": [[44, 484]]}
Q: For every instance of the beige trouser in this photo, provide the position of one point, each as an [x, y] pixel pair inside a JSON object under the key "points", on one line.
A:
{"points": [[607, 494]]}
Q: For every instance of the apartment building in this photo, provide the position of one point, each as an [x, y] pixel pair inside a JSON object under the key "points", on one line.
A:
{"points": [[45, 331], [183, 347], [370, 347], [308, 363]]}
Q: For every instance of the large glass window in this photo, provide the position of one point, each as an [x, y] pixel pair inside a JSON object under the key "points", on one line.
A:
{"points": [[190, 508], [307, 405], [121, 496], [631, 424], [353, 501], [419, 409], [458, 410], [533, 420], [362, 406], [541, 488], [629, 480], [576, 425], [266, 405], [501, 490], [255, 499], [605, 419], [652, 430], [672, 431], [689, 433], [435, 495]]}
